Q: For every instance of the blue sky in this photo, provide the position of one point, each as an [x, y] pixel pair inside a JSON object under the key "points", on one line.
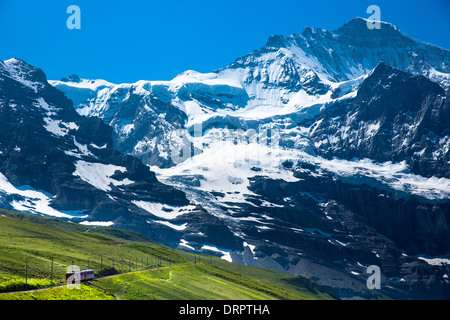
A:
{"points": [[126, 41]]}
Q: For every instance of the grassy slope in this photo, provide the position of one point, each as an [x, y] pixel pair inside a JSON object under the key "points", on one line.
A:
{"points": [[59, 293], [197, 282], [37, 240]]}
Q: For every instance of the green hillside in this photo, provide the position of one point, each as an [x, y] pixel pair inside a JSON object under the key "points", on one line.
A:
{"points": [[36, 251]]}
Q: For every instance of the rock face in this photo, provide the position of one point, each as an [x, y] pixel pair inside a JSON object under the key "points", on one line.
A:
{"points": [[394, 117], [346, 228], [320, 154]]}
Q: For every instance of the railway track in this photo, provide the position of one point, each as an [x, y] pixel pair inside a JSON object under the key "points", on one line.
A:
{"points": [[89, 282]]}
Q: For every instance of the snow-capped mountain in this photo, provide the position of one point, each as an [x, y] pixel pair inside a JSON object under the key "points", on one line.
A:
{"points": [[298, 74], [319, 154], [55, 162]]}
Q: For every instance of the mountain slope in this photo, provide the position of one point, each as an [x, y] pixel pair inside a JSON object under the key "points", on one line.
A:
{"points": [[309, 156], [45, 238], [55, 162]]}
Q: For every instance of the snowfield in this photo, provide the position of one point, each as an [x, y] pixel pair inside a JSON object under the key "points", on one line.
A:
{"points": [[225, 166], [163, 211]]}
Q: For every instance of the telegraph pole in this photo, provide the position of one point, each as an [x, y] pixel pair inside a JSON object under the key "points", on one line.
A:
{"points": [[26, 275]]}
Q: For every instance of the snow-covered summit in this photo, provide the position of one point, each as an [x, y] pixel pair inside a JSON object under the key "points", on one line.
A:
{"points": [[299, 74]]}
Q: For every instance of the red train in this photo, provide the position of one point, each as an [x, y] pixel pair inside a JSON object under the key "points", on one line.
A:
{"points": [[84, 275]]}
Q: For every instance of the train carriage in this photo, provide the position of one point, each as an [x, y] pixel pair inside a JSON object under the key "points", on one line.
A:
{"points": [[84, 275]]}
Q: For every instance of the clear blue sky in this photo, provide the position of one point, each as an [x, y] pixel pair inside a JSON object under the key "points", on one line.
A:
{"points": [[126, 41]]}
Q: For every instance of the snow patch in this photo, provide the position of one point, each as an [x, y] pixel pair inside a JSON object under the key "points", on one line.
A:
{"points": [[171, 225], [58, 127], [184, 243], [163, 211], [435, 261], [99, 175], [35, 202], [225, 253], [97, 223]]}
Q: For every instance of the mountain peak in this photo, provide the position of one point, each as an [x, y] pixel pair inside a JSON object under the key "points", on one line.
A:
{"points": [[357, 29], [385, 67], [276, 41], [361, 23], [23, 72], [72, 78], [386, 79], [14, 60], [18, 64], [310, 31]]}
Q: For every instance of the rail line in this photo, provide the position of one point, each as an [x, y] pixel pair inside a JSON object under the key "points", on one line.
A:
{"points": [[89, 282]]}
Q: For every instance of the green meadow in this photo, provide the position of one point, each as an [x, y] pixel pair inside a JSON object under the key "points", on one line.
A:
{"points": [[36, 251]]}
